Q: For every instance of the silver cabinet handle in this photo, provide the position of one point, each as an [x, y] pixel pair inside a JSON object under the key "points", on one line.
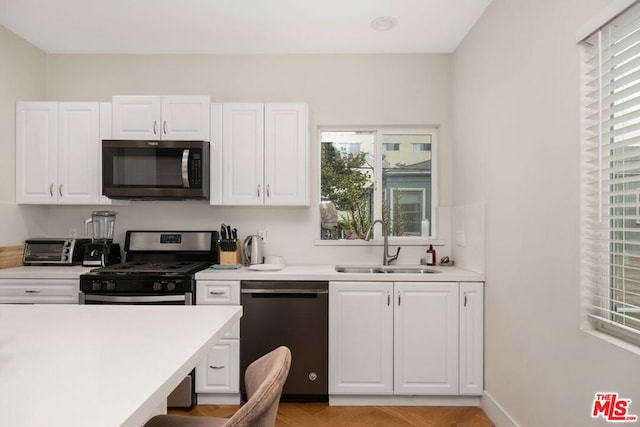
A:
{"points": [[388, 299], [216, 367], [51, 190], [216, 293], [155, 127], [465, 300], [185, 168], [31, 291], [267, 190], [164, 127], [258, 190], [398, 299], [60, 190]]}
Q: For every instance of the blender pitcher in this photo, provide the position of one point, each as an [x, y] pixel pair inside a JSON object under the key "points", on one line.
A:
{"points": [[102, 226]]}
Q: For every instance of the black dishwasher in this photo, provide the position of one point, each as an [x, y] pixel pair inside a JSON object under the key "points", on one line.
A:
{"points": [[291, 313]]}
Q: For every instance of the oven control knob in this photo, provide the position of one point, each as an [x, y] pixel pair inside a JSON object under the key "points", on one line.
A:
{"points": [[171, 286], [157, 286], [111, 286], [96, 286]]}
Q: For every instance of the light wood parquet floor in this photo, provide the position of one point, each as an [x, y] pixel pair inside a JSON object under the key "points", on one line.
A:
{"points": [[323, 415]]}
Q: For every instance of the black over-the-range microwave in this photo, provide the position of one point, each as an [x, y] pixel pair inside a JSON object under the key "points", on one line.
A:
{"points": [[155, 170]]}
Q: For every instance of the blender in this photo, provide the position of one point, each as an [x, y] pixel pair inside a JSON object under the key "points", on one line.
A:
{"points": [[101, 251]]}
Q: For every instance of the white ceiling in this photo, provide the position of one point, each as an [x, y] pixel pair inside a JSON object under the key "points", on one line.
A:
{"points": [[240, 26]]}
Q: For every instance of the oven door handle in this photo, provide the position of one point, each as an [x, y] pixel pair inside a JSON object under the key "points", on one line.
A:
{"points": [[135, 299], [185, 168]]}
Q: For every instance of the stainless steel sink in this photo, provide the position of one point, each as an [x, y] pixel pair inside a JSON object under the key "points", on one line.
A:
{"points": [[411, 270], [384, 269], [355, 269]]}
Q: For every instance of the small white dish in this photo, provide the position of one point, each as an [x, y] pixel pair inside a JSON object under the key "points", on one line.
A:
{"points": [[266, 267]]}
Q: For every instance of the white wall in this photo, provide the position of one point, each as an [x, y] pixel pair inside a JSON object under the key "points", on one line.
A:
{"points": [[516, 130], [340, 90], [22, 77]]}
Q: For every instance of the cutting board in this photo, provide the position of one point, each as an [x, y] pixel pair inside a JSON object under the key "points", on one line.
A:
{"points": [[11, 256]]}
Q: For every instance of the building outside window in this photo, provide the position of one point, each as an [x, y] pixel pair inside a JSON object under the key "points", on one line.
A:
{"points": [[395, 185]]}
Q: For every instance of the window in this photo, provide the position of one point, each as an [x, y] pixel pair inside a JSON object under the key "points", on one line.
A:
{"points": [[610, 226], [386, 179], [391, 146], [421, 146]]}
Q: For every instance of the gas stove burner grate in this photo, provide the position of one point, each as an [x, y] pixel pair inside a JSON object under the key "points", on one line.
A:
{"points": [[153, 267]]}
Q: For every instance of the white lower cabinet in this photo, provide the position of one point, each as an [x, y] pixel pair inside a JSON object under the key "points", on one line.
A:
{"points": [[471, 338], [218, 374], [39, 291], [405, 338]]}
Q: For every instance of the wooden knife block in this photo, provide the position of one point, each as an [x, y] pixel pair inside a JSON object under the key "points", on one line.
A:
{"points": [[231, 258]]}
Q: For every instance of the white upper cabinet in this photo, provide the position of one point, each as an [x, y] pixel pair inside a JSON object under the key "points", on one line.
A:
{"points": [[242, 154], [286, 172], [57, 152], [161, 117], [260, 154]]}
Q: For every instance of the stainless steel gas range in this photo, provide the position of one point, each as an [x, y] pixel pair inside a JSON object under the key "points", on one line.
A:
{"points": [[159, 269]]}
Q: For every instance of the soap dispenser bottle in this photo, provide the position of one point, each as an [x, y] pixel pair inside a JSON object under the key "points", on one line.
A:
{"points": [[431, 256]]}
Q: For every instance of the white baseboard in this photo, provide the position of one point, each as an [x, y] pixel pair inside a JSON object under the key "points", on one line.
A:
{"points": [[218, 399], [495, 412], [399, 400]]}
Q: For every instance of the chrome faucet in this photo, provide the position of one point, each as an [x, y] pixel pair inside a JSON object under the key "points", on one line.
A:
{"points": [[386, 258]]}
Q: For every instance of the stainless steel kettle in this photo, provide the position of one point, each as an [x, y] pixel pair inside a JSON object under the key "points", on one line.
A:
{"points": [[252, 250]]}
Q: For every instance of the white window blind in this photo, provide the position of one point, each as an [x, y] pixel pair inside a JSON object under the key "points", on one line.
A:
{"points": [[611, 176]]}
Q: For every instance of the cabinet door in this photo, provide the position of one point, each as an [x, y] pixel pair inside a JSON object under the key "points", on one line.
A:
{"points": [[36, 152], [185, 118], [242, 154], [219, 372], [426, 338], [39, 291], [360, 338], [106, 132], [78, 153], [136, 117], [286, 151], [471, 338]]}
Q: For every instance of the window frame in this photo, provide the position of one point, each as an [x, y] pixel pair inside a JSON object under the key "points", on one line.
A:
{"points": [[600, 227], [379, 131]]}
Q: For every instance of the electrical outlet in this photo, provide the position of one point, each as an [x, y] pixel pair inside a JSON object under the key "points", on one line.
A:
{"points": [[263, 234]]}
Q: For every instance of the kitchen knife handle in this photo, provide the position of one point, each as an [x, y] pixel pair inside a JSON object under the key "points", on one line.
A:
{"points": [[155, 127]]}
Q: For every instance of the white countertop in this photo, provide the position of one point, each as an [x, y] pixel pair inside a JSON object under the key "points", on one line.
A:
{"points": [[44, 272], [289, 272], [95, 365], [328, 272]]}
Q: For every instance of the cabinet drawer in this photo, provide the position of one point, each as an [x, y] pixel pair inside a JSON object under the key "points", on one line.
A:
{"points": [[218, 292], [219, 372], [30, 291]]}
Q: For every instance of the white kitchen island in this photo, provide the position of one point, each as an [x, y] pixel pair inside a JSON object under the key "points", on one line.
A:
{"points": [[95, 365]]}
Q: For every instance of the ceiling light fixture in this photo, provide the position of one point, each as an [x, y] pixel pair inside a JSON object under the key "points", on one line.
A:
{"points": [[384, 23]]}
